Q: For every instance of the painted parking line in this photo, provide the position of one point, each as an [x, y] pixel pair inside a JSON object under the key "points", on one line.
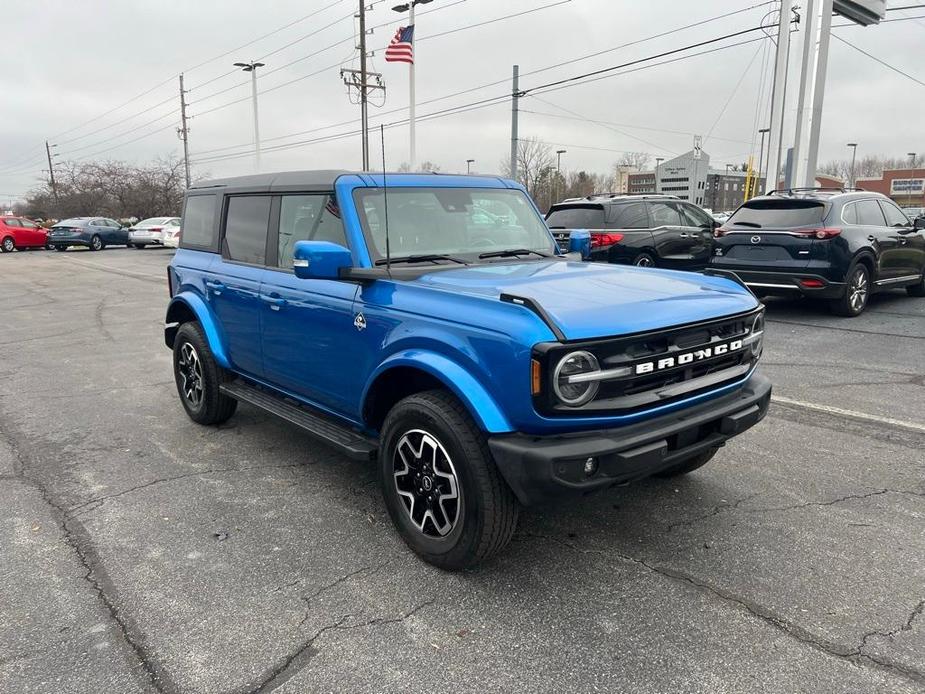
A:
{"points": [[828, 409]]}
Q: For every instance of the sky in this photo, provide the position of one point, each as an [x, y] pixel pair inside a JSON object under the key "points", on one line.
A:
{"points": [[74, 77]]}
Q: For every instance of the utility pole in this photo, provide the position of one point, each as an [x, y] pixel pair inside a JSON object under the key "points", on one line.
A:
{"points": [[763, 132], [515, 97], [854, 153], [779, 94], [359, 79], [183, 131], [658, 162], [251, 67], [51, 171]]}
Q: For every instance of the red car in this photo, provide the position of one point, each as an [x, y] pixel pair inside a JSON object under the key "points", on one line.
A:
{"points": [[16, 232]]}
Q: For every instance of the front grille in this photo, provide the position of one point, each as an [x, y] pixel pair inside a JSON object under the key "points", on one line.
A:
{"points": [[651, 369]]}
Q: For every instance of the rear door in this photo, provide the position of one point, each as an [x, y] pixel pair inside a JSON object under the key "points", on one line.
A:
{"points": [[233, 281], [768, 234], [669, 234], [699, 229], [883, 239], [911, 244]]}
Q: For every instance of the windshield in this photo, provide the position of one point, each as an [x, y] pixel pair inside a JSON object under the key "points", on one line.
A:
{"points": [[459, 222], [151, 221], [777, 214]]}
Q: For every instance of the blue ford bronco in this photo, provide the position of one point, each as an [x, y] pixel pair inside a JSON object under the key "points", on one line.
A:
{"points": [[431, 323]]}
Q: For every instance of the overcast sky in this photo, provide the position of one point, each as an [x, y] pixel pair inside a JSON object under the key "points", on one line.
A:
{"points": [[72, 62]]}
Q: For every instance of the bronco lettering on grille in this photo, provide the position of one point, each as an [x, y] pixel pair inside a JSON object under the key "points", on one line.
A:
{"points": [[688, 357]]}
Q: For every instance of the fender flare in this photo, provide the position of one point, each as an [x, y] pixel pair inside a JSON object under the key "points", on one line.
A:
{"points": [[203, 315], [477, 400]]}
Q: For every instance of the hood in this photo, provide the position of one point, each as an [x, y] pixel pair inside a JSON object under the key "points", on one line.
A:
{"points": [[591, 300]]}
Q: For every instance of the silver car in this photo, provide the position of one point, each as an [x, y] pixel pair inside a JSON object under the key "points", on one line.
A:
{"points": [[153, 231]]}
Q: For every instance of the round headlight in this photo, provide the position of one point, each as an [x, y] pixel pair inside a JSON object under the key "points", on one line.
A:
{"points": [[757, 334], [574, 364]]}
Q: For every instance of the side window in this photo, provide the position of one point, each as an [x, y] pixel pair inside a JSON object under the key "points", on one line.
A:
{"points": [[850, 213], [308, 218], [576, 217], [246, 224], [869, 214], [695, 217], [894, 215], [630, 216], [96, 223], [28, 225], [12, 223], [664, 214], [199, 222]]}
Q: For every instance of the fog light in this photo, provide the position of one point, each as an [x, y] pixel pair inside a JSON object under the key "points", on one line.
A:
{"points": [[591, 467]]}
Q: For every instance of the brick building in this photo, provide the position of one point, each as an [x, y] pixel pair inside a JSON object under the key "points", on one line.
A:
{"points": [[906, 187]]}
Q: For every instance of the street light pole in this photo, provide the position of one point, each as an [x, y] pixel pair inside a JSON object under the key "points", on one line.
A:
{"points": [[559, 153], [658, 162], [911, 156], [854, 153], [469, 163], [763, 132], [251, 67]]}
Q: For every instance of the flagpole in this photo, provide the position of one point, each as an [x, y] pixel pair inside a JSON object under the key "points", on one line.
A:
{"points": [[412, 148]]}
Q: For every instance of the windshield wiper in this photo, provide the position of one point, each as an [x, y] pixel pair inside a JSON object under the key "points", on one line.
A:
{"points": [[512, 252], [426, 258]]}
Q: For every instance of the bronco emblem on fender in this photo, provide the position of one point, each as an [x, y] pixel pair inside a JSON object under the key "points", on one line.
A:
{"points": [[360, 322]]}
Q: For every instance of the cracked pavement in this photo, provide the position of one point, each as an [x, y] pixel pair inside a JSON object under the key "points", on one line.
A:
{"points": [[143, 553]]}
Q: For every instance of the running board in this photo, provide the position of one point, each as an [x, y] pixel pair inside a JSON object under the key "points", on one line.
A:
{"points": [[349, 442]]}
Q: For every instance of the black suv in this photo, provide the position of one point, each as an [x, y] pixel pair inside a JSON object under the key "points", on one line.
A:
{"points": [[832, 243], [645, 230]]}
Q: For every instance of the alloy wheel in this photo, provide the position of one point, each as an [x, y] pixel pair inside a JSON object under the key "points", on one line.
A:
{"points": [[644, 261], [8, 245], [426, 482], [858, 290], [190, 370], [96, 243]]}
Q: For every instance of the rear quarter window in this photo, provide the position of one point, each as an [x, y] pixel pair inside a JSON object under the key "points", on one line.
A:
{"points": [[199, 222], [778, 214]]}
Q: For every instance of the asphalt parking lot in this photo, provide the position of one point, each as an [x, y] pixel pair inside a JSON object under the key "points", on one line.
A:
{"points": [[141, 552]]}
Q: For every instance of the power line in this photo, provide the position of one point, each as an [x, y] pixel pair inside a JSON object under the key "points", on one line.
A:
{"points": [[875, 58], [735, 90]]}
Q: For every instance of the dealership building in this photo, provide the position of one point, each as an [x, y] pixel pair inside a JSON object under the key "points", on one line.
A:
{"points": [[906, 187]]}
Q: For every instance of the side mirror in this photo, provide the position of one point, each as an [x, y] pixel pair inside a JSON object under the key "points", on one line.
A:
{"points": [[580, 242], [919, 223], [320, 260]]}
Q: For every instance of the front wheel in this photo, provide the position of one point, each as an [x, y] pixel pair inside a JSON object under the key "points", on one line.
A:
{"points": [[199, 377], [857, 292], [440, 484], [96, 243], [7, 245], [61, 248]]}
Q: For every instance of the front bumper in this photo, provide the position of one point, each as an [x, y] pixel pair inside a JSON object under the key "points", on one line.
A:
{"points": [[543, 468]]}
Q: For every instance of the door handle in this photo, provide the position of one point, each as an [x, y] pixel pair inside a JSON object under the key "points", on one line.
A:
{"points": [[274, 300], [216, 286], [685, 235]]}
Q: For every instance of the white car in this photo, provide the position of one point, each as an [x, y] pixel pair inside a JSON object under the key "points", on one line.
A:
{"points": [[172, 236], [154, 230]]}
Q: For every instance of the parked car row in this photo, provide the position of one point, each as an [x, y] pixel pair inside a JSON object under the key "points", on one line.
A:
{"points": [[94, 233], [837, 244]]}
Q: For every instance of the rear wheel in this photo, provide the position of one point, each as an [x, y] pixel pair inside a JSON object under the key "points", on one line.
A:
{"points": [[7, 245], [139, 246], [644, 260], [857, 292], [917, 289], [96, 243], [440, 484], [688, 464], [199, 377], [60, 248]]}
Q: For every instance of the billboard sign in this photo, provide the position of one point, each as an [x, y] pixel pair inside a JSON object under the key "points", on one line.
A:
{"points": [[864, 12], [907, 186]]}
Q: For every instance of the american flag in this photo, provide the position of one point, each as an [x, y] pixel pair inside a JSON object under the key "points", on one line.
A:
{"points": [[401, 49]]}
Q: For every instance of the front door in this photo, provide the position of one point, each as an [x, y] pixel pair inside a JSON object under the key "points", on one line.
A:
{"points": [[882, 238], [910, 242], [233, 281], [308, 325]]}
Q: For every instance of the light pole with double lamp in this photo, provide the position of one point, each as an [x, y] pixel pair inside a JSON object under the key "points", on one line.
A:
{"points": [[251, 67], [854, 154], [658, 163]]}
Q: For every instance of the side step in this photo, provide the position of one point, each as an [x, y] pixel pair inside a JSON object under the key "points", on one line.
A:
{"points": [[349, 442]]}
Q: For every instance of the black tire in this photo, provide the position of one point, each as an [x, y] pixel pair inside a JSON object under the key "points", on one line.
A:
{"points": [[139, 246], [917, 289], [211, 406], [7, 245], [688, 464], [644, 260], [61, 248], [49, 247], [96, 243], [857, 293], [480, 518]]}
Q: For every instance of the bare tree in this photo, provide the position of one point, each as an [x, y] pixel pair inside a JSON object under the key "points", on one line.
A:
{"points": [[534, 164], [635, 160]]}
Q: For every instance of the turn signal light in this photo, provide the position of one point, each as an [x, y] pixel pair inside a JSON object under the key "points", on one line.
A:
{"points": [[602, 239], [535, 382]]}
